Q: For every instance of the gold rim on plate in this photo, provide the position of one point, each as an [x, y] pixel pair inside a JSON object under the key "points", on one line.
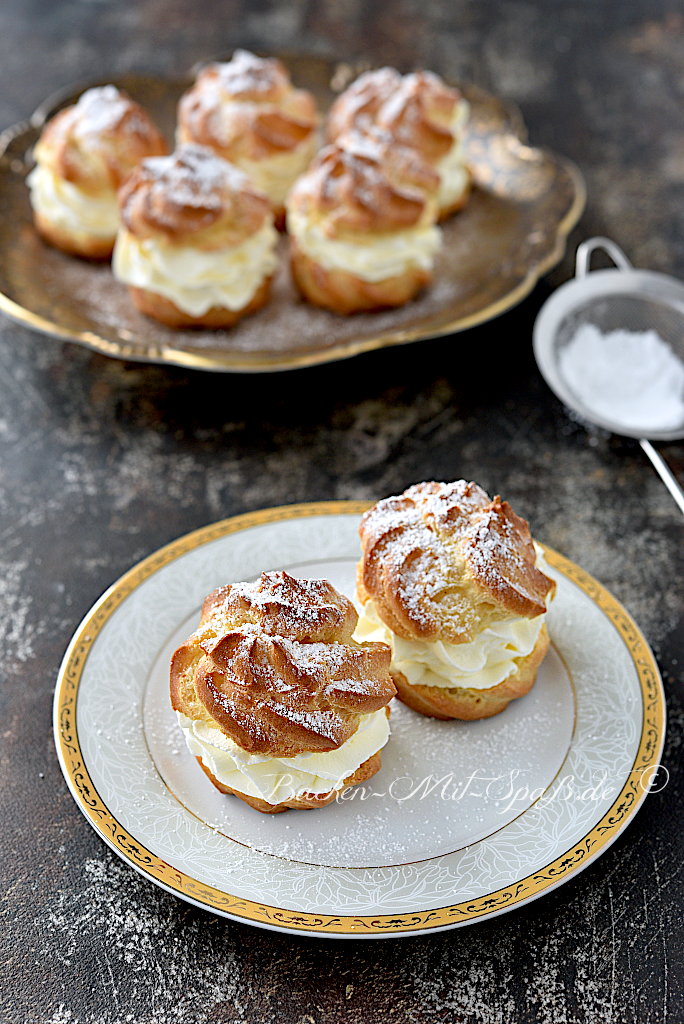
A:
{"points": [[573, 860]]}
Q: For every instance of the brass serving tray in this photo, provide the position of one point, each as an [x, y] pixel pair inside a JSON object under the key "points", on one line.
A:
{"points": [[513, 230]]}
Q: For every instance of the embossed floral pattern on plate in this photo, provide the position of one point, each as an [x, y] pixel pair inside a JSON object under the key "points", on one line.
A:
{"points": [[103, 710]]}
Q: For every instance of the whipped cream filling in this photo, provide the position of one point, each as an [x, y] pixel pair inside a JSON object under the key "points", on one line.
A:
{"points": [[70, 209], [454, 175], [479, 664], [276, 779], [195, 280], [371, 259], [275, 175]]}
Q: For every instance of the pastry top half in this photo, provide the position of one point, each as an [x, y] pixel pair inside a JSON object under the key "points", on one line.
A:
{"points": [[405, 167], [247, 108], [274, 666], [442, 562], [96, 143], [419, 110], [192, 197], [358, 106], [349, 191]]}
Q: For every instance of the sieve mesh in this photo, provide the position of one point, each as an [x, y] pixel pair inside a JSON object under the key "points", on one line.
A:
{"points": [[627, 300], [626, 312]]}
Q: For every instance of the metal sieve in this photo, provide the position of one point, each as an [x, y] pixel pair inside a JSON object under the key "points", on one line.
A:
{"points": [[620, 298]]}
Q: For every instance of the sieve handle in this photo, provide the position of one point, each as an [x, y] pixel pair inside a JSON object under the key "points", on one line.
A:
{"points": [[664, 472], [587, 249]]}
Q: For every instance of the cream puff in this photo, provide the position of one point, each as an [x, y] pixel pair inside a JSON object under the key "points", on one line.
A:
{"points": [[455, 584], [361, 238], [197, 242], [83, 155], [248, 111], [278, 703], [418, 110]]}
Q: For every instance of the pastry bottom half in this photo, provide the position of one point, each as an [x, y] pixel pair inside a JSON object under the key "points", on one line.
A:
{"points": [[345, 293], [468, 704], [158, 307], [75, 243], [307, 801]]}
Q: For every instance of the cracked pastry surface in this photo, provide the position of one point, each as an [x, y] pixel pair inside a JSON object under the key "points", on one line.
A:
{"points": [[279, 703], [454, 582], [248, 111], [83, 155], [362, 235], [197, 243], [404, 166], [419, 111]]}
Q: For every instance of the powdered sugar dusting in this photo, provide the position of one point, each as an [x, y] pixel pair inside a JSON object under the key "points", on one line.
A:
{"points": [[101, 110], [298, 609], [81, 296], [193, 176], [402, 542], [627, 377], [248, 74], [321, 722], [494, 549], [279, 652], [422, 547]]}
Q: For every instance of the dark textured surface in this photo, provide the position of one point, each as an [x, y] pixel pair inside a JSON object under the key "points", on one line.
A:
{"points": [[102, 462]]}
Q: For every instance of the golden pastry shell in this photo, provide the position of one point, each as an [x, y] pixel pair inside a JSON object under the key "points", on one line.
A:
{"points": [[95, 143], [246, 108], [192, 197], [443, 561]]}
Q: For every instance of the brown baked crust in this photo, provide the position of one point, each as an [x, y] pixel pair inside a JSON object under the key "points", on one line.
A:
{"points": [[404, 166], [354, 194], [97, 142], [443, 561], [158, 307], [274, 666], [192, 197], [469, 704], [345, 293], [309, 611], [357, 107], [350, 193], [308, 801], [420, 114], [456, 204], [94, 145], [416, 109], [74, 243], [247, 109]]}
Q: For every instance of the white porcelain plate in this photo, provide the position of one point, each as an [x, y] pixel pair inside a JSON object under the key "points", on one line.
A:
{"points": [[465, 820]]}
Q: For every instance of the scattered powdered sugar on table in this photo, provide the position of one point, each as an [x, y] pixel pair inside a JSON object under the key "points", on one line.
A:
{"points": [[101, 109], [631, 378]]}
